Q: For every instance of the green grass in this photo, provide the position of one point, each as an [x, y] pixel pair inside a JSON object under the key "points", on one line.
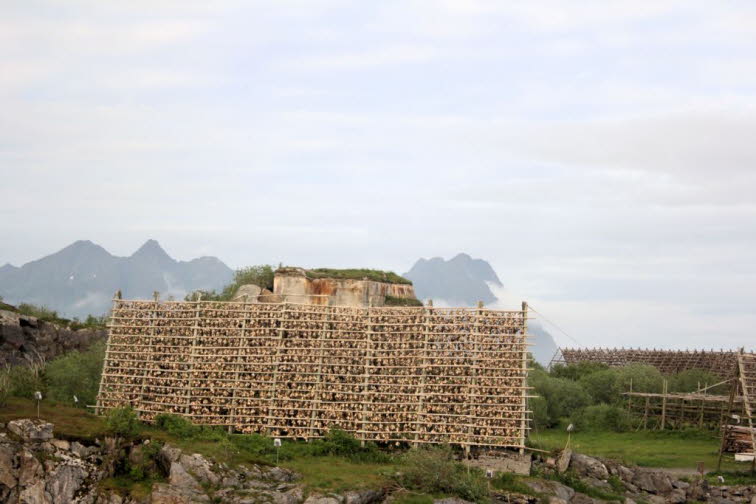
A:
{"points": [[355, 274], [664, 449], [397, 301], [335, 474], [70, 423]]}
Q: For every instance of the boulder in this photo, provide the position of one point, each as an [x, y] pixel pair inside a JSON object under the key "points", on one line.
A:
{"points": [[588, 466], [7, 471], [63, 483], [451, 500], [35, 494], [163, 493], [293, 496], [247, 293], [280, 474], [677, 496], [321, 499], [30, 469], [35, 431], [178, 477], [200, 467], [363, 496], [556, 500], [267, 296], [581, 498], [551, 488]]}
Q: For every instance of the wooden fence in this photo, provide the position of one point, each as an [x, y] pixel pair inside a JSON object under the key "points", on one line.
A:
{"points": [[419, 374]]}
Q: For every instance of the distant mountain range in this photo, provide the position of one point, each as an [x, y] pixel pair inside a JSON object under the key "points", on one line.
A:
{"points": [[463, 281], [81, 279]]}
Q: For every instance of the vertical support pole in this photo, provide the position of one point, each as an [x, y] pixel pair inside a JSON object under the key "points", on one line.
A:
{"points": [[237, 365], [523, 381], [645, 414], [664, 405], [195, 336], [428, 313], [277, 363], [722, 423], [114, 310], [317, 389], [473, 377], [366, 377], [150, 344]]}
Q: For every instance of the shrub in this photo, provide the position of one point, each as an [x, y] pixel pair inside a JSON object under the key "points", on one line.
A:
{"points": [[601, 386], [122, 422], [25, 381], [691, 379], [142, 462], [260, 275], [76, 373], [540, 409], [432, 470], [603, 417], [578, 370], [563, 397], [5, 387], [177, 426], [644, 378]]}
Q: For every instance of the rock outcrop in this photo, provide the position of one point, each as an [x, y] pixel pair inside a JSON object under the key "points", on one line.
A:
{"points": [[295, 286], [25, 339]]}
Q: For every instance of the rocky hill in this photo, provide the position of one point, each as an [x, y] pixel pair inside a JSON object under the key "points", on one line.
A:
{"points": [[81, 279], [25, 339]]}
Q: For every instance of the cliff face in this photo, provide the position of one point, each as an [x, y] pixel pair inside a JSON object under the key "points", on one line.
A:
{"points": [[25, 339], [296, 287]]}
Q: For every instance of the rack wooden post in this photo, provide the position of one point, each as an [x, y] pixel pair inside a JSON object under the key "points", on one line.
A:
{"points": [[116, 300], [524, 403], [427, 314], [664, 406], [195, 337]]}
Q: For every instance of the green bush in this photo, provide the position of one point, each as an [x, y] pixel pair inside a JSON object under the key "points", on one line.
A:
{"points": [[540, 409], [177, 426], [76, 373], [564, 397], [432, 470], [142, 462], [122, 422], [601, 386], [25, 381], [578, 370], [690, 380], [5, 387], [644, 378], [603, 417]]}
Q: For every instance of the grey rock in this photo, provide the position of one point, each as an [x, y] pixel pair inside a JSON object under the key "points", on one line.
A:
{"points": [[7, 470], [63, 483], [293, 496], [178, 477], [677, 496], [753, 499], [247, 293], [167, 456], [163, 493], [451, 500], [322, 499], [580, 498], [556, 500], [35, 431], [628, 500], [35, 494], [61, 444], [200, 467], [684, 485], [30, 469], [656, 499], [363, 496], [280, 474], [588, 466], [551, 488]]}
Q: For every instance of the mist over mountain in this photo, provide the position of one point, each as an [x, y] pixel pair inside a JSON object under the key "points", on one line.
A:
{"points": [[463, 281], [82, 278]]}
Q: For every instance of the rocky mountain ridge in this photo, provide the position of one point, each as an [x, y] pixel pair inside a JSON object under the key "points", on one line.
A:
{"points": [[80, 279]]}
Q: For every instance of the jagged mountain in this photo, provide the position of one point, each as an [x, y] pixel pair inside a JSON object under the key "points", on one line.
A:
{"points": [[81, 279], [463, 281]]}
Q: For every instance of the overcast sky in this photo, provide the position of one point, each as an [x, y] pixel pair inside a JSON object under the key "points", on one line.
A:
{"points": [[601, 155]]}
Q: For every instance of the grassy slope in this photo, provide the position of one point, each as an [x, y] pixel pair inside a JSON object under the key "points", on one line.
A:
{"points": [[650, 448]]}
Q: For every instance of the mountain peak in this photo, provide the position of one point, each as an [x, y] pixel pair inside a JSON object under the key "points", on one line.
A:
{"points": [[150, 248]]}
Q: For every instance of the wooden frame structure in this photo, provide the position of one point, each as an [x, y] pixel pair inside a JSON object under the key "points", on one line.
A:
{"points": [[721, 363], [415, 374], [739, 425]]}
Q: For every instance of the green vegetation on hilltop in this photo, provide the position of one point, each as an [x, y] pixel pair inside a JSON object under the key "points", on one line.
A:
{"points": [[260, 275], [47, 315], [398, 301], [358, 274]]}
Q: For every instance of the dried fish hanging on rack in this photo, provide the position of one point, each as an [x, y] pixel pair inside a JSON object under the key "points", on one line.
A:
{"points": [[399, 374]]}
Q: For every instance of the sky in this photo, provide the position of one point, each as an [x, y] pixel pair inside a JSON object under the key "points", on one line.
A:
{"points": [[600, 155]]}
